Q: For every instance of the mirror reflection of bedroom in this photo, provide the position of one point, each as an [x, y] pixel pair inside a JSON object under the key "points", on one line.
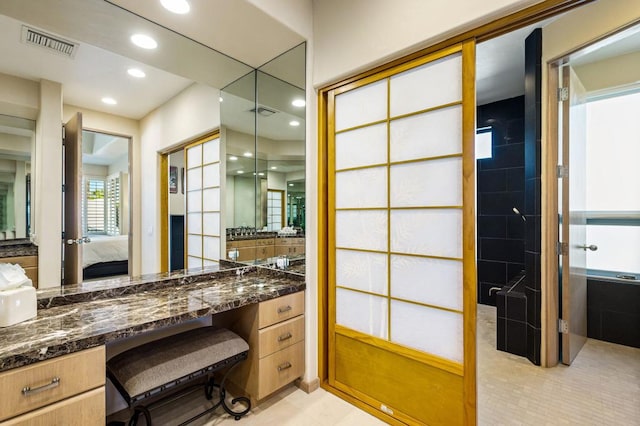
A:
{"points": [[105, 205]]}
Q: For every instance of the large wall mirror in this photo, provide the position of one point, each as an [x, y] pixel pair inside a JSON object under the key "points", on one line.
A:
{"points": [[177, 100], [263, 123], [17, 148]]}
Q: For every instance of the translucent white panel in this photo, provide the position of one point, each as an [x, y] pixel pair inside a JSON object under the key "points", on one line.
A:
{"points": [[362, 188], [211, 223], [427, 135], [207, 262], [435, 282], [194, 262], [194, 245], [211, 175], [211, 248], [439, 332], [211, 200], [427, 183], [194, 179], [429, 232], [194, 201], [360, 106], [618, 248], [362, 229], [430, 85], [362, 271], [362, 312], [211, 151], [362, 147], [194, 156], [194, 223]]}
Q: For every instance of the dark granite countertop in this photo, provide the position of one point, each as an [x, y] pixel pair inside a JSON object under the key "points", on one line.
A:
{"points": [[113, 313], [17, 248]]}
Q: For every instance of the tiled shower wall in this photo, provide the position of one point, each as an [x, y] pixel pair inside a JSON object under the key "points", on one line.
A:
{"points": [[501, 184]]}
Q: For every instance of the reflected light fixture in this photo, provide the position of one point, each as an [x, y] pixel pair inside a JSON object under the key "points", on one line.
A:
{"points": [[298, 103], [248, 154], [294, 123], [136, 72], [274, 168], [220, 99], [240, 172], [109, 101], [144, 41], [261, 174], [290, 184], [233, 158], [176, 6]]}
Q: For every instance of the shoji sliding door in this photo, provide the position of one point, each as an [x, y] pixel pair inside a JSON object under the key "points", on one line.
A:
{"points": [[401, 256], [203, 202]]}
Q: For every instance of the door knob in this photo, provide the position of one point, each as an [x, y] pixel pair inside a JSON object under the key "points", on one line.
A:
{"points": [[592, 247]]}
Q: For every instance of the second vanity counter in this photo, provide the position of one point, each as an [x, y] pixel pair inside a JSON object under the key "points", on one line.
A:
{"points": [[113, 313]]}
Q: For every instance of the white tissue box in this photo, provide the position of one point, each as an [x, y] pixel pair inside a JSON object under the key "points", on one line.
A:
{"points": [[17, 305]]}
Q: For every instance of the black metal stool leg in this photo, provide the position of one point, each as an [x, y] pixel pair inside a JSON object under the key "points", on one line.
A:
{"points": [[223, 392]]}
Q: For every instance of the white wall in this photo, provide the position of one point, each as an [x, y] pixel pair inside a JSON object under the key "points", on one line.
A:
{"points": [[355, 35], [48, 184], [20, 97], [192, 113]]}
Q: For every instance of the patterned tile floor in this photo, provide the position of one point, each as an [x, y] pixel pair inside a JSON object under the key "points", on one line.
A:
{"points": [[602, 387]]}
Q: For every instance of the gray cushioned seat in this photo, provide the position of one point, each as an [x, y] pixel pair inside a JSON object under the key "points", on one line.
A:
{"points": [[156, 363]]}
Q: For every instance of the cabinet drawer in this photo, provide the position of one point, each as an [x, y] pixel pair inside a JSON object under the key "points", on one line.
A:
{"points": [[264, 252], [240, 244], [280, 336], [264, 242], [85, 409], [281, 368], [280, 309], [76, 372], [24, 261]]}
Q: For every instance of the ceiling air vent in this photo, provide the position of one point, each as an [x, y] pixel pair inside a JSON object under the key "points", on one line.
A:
{"points": [[265, 112], [51, 43]]}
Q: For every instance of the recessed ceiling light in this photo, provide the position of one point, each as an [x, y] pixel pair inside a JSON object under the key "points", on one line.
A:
{"points": [[274, 168], [260, 174], [136, 72], [248, 154], [109, 101], [176, 6], [233, 158], [144, 41], [294, 123], [298, 103], [240, 172], [290, 184], [220, 99]]}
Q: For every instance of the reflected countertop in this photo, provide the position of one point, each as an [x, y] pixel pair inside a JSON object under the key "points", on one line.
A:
{"points": [[18, 248], [116, 311]]}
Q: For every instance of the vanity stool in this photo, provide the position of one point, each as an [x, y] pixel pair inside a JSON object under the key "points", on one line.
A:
{"points": [[156, 368]]}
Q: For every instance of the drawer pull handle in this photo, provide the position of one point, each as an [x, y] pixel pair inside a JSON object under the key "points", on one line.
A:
{"points": [[55, 382], [283, 309], [284, 366], [285, 337]]}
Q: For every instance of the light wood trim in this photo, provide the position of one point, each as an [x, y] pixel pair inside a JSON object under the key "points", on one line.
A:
{"points": [[85, 409], [357, 402], [308, 387], [469, 230], [164, 212], [272, 377], [565, 146], [416, 355], [330, 259], [78, 372], [550, 234], [280, 309], [279, 336]]}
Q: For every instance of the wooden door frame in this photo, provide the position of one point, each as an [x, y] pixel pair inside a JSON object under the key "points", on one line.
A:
{"points": [[505, 24], [163, 165]]}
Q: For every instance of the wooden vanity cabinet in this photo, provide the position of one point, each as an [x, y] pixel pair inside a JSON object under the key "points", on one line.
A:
{"points": [[289, 246], [28, 263], [65, 390], [274, 330]]}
